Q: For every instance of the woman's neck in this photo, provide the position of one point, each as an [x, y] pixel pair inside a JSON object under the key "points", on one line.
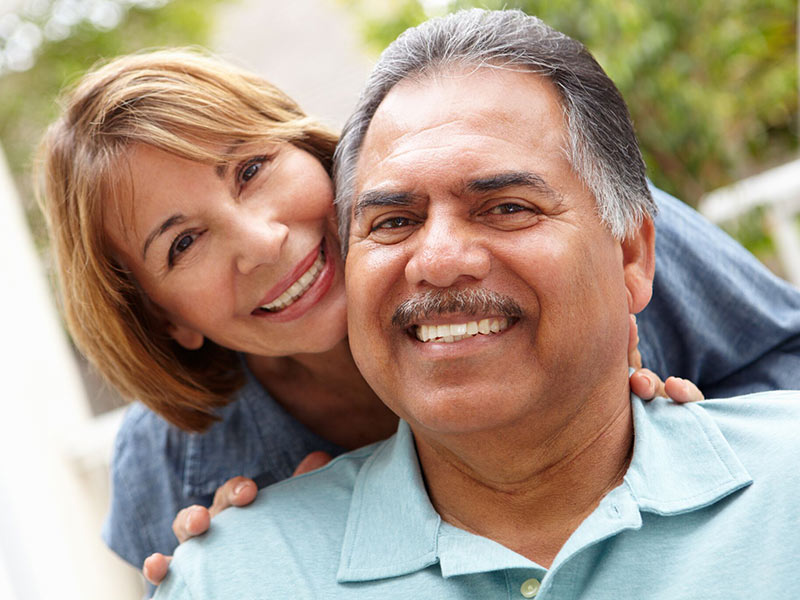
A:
{"points": [[326, 392]]}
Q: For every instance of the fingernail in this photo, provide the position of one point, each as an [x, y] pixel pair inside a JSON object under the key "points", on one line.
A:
{"points": [[192, 516], [240, 487]]}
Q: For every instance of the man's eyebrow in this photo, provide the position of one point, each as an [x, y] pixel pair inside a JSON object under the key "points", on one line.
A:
{"points": [[511, 179], [170, 222], [378, 198]]}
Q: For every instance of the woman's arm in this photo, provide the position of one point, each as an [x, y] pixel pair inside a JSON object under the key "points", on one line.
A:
{"points": [[718, 317]]}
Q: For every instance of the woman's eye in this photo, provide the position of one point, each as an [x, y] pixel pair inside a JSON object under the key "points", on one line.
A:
{"points": [[249, 170], [180, 245]]}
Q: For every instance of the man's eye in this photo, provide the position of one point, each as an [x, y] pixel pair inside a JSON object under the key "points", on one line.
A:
{"points": [[507, 208], [393, 223], [180, 245]]}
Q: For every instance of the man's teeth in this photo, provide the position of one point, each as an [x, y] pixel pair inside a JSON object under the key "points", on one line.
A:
{"points": [[298, 288], [458, 331]]}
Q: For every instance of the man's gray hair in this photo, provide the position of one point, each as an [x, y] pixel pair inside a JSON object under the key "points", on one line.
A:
{"points": [[603, 149]]}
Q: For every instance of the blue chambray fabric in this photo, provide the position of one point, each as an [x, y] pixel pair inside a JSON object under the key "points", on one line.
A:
{"points": [[717, 317], [157, 469], [707, 509]]}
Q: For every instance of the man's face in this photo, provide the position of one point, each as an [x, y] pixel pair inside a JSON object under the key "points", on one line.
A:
{"points": [[464, 193]]}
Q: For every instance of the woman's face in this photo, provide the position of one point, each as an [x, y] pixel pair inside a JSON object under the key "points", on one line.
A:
{"points": [[245, 255]]}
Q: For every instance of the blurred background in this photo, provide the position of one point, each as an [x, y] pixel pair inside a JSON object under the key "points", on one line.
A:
{"points": [[712, 87]]}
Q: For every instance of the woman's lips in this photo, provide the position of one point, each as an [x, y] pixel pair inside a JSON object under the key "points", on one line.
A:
{"points": [[295, 291], [314, 293], [280, 289]]}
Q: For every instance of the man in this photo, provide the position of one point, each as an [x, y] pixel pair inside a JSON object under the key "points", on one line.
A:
{"points": [[500, 235]]}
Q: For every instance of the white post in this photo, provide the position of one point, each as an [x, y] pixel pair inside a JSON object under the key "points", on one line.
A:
{"points": [[50, 514]]}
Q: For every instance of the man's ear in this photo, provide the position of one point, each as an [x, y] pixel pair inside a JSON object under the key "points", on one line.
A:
{"points": [[639, 264], [186, 337]]}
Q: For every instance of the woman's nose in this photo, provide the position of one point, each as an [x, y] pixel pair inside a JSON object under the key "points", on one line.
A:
{"points": [[258, 244]]}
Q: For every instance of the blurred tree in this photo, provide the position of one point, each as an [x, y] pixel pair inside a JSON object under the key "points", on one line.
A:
{"points": [[28, 97], [712, 86]]}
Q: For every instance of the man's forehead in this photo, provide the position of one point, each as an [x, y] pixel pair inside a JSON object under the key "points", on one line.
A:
{"points": [[452, 106], [475, 93]]}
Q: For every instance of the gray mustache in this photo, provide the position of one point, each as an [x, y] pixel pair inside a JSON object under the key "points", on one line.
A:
{"points": [[441, 302]]}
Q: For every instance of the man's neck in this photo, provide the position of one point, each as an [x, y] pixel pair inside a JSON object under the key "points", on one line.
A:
{"points": [[529, 489]]}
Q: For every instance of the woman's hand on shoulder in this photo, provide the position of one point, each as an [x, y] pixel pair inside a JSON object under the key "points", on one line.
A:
{"points": [[195, 520], [647, 385]]}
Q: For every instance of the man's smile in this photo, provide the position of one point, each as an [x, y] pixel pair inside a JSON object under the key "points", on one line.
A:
{"points": [[454, 332]]}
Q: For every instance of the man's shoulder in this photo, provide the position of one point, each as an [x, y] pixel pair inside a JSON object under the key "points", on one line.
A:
{"points": [[762, 428], [774, 412], [293, 526], [307, 501]]}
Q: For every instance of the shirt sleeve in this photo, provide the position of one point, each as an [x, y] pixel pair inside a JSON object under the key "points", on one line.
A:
{"points": [[145, 488], [717, 317]]}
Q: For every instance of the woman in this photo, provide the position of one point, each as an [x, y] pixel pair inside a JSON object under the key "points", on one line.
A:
{"points": [[190, 209]]}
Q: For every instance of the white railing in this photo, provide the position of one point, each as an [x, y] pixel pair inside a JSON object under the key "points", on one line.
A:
{"points": [[778, 192]]}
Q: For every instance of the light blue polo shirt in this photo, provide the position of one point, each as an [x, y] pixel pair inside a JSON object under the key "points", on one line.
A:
{"points": [[709, 509]]}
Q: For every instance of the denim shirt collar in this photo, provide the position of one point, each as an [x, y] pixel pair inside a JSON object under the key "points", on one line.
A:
{"points": [[681, 463]]}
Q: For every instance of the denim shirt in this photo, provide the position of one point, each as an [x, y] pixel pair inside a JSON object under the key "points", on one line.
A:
{"points": [[717, 317], [158, 469]]}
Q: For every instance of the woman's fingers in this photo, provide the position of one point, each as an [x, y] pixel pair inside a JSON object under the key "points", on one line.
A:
{"points": [[191, 522], [237, 491], [155, 567], [315, 460], [682, 390], [647, 385]]}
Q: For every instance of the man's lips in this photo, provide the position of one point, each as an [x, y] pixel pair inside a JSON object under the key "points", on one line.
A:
{"points": [[455, 332], [296, 283], [451, 315]]}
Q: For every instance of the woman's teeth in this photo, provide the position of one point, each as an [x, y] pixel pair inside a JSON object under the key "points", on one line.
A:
{"points": [[298, 288], [459, 331]]}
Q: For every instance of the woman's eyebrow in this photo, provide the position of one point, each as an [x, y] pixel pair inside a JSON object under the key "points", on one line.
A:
{"points": [[222, 167], [176, 219]]}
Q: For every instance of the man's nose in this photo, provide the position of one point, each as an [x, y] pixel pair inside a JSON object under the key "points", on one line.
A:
{"points": [[447, 252], [257, 242]]}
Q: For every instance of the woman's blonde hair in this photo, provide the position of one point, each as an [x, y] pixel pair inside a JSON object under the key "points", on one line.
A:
{"points": [[186, 103]]}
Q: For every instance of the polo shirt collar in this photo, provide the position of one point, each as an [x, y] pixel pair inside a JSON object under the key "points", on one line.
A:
{"points": [[392, 527], [681, 462]]}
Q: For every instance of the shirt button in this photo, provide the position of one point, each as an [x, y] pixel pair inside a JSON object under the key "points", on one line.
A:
{"points": [[529, 588]]}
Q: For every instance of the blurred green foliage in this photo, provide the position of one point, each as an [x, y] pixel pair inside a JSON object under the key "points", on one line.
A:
{"points": [[28, 99], [712, 86]]}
